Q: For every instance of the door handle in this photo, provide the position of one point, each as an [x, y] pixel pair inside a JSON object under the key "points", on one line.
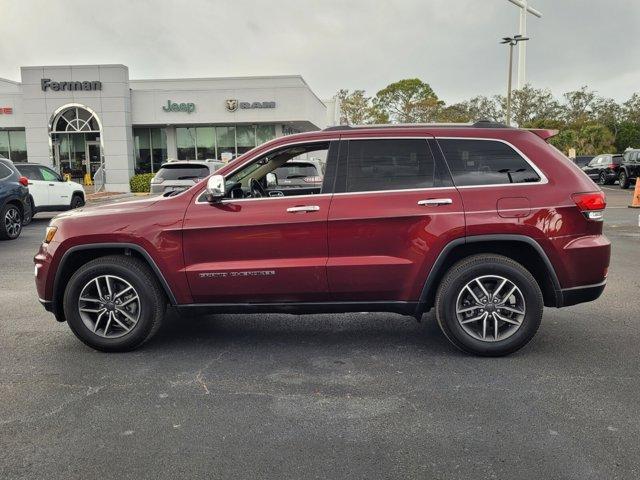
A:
{"points": [[435, 202], [52, 185], [29, 183], [303, 208]]}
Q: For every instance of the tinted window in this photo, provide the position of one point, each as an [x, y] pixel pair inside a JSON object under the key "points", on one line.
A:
{"points": [[32, 172], [396, 164], [4, 171], [485, 162], [183, 172]]}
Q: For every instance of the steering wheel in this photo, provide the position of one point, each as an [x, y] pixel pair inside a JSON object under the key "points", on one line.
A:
{"points": [[256, 189]]}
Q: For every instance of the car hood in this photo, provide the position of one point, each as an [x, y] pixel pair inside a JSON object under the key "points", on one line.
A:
{"points": [[116, 208]]}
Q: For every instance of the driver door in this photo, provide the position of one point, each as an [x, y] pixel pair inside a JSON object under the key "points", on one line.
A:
{"points": [[271, 249]]}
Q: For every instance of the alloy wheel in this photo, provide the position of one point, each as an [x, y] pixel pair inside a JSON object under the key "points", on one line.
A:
{"points": [[109, 306], [12, 222], [603, 179], [490, 308]]}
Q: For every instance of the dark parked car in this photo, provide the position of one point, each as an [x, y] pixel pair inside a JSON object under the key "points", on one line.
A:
{"points": [[14, 195], [630, 168], [604, 169], [485, 224]]}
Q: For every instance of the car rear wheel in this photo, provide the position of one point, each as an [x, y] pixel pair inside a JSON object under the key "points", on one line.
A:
{"points": [[10, 222], [624, 180], [489, 305], [602, 179], [114, 303]]}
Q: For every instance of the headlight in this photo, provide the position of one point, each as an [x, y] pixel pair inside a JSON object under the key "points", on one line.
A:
{"points": [[50, 233]]}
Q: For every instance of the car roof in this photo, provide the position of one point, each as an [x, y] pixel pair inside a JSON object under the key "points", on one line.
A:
{"points": [[186, 163]]}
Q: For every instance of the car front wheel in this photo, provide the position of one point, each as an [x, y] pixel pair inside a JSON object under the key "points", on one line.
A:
{"points": [[10, 222], [114, 303], [489, 305]]}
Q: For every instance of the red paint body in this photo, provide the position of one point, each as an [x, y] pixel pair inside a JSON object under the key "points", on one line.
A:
{"points": [[357, 247]]}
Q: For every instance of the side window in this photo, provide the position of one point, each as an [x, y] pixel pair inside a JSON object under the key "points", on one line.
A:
{"points": [[49, 175], [485, 162], [394, 164], [32, 172], [5, 171]]}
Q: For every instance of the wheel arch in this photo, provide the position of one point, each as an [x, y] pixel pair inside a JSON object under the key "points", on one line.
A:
{"points": [[81, 254], [520, 248]]}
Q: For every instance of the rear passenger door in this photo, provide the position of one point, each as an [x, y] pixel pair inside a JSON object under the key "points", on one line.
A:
{"points": [[38, 188], [394, 209]]}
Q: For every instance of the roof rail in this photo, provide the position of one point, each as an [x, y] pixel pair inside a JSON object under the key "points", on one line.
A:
{"points": [[478, 124]]}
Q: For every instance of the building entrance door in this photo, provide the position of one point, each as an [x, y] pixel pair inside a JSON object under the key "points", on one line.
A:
{"points": [[93, 159]]}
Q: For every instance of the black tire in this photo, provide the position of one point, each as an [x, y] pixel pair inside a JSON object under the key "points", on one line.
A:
{"points": [[9, 230], [29, 211], [152, 302], [624, 180], [602, 179], [466, 271], [77, 201]]}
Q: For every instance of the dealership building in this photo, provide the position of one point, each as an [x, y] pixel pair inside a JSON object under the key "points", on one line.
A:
{"points": [[77, 118]]}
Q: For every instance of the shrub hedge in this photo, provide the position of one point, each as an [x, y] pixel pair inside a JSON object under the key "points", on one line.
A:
{"points": [[141, 183]]}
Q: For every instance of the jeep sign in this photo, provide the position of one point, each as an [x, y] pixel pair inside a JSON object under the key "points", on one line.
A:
{"points": [[47, 84], [179, 107]]}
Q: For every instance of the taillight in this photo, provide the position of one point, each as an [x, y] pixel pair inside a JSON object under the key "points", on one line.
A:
{"points": [[24, 181], [612, 165], [313, 179], [591, 204]]}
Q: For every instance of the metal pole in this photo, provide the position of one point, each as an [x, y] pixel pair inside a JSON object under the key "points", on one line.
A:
{"points": [[508, 119], [522, 47]]}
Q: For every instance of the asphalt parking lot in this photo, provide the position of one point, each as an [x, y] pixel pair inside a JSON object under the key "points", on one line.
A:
{"points": [[325, 396]]}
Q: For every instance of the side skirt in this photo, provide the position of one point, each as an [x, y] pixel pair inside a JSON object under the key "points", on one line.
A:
{"points": [[303, 308]]}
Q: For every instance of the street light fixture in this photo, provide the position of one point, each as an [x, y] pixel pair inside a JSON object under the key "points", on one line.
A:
{"points": [[512, 42]]}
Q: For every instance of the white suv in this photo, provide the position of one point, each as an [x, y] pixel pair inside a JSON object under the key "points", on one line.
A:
{"points": [[48, 192]]}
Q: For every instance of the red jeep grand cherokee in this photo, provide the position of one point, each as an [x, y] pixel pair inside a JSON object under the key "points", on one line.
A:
{"points": [[485, 223]]}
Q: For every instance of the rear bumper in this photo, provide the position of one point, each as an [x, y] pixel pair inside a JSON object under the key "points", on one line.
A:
{"points": [[582, 294]]}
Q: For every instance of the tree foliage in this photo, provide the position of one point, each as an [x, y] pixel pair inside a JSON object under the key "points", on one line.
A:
{"points": [[587, 122]]}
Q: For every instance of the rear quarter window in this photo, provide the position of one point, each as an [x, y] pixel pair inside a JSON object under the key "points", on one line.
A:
{"points": [[485, 162], [5, 172]]}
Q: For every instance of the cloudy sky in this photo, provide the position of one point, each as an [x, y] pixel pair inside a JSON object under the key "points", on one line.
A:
{"points": [[451, 44]]}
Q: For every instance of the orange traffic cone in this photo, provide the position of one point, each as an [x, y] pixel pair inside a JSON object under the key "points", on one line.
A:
{"points": [[635, 203]]}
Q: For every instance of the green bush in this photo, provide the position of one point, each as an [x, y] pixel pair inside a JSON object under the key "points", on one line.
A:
{"points": [[141, 183]]}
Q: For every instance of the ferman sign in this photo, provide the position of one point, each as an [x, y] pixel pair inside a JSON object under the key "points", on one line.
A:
{"points": [[47, 84], [233, 105]]}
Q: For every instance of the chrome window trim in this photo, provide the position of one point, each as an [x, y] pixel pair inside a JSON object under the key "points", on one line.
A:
{"points": [[543, 177]]}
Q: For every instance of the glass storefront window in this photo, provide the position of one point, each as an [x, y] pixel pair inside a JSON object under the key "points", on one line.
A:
{"points": [[205, 143], [186, 142], [226, 142], [245, 138], [4, 144], [13, 145], [142, 141], [264, 133], [158, 147]]}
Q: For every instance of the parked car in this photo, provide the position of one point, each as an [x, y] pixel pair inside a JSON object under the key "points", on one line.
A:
{"points": [[485, 225], [296, 177], [603, 169], [13, 200], [180, 175], [48, 192], [583, 160], [629, 169]]}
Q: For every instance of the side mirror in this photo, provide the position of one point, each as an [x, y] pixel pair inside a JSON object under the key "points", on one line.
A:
{"points": [[272, 180], [215, 188]]}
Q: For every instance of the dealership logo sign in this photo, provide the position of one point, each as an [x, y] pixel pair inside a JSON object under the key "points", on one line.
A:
{"points": [[47, 84], [179, 107], [233, 105]]}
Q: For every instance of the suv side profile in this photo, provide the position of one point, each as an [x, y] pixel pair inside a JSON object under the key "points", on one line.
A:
{"points": [[629, 168], [483, 223], [13, 200]]}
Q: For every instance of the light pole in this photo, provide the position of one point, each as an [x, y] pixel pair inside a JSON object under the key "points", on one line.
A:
{"points": [[525, 9], [512, 42]]}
